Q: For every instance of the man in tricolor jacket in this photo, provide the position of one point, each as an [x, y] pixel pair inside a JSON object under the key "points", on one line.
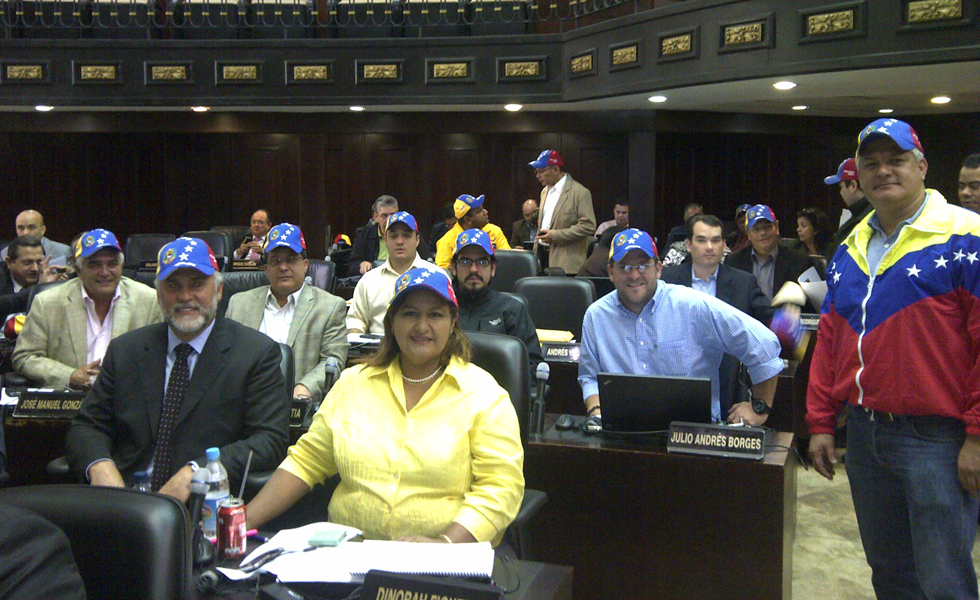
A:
{"points": [[899, 340]]}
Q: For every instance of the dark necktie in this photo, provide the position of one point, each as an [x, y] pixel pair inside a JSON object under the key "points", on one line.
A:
{"points": [[176, 390]]}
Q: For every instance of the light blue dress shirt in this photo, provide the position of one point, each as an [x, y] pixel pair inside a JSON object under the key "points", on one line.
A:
{"points": [[709, 287], [679, 333]]}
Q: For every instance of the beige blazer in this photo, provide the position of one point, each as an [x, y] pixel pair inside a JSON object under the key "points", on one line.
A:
{"points": [[318, 331], [572, 226], [54, 340]]}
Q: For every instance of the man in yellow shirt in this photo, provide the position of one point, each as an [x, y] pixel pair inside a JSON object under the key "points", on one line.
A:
{"points": [[470, 214]]}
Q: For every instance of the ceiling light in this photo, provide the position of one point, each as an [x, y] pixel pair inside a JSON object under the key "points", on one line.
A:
{"points": [[940, 100], [784, 85], [200, 108], [43, 108], [513, 107], [657, 99], [800, 107], [886, 111], [357, 108]]}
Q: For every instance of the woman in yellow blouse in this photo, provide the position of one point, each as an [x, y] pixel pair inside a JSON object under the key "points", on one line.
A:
{"points": [[427, 444]]}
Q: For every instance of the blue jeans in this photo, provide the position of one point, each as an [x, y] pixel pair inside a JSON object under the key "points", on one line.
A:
{"points": [[917, 523]]}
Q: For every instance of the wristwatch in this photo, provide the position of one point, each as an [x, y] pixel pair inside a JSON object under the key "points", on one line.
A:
{"points": [[759, 405]]}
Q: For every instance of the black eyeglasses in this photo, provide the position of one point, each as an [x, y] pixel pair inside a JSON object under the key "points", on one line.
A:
{"points": [[466, 263]]}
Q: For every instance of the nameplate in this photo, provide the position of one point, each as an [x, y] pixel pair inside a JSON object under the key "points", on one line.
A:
{"points": [[382, 585], [560, 352], [809, 321], [246, 265], [717, 440], [48, 405], [298, 411], [148, 265]]}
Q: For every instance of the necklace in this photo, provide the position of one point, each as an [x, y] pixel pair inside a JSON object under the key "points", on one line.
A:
{"points": [[424, 379]]}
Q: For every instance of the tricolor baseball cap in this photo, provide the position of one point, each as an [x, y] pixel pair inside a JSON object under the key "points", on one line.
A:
{"points": [[430, 279], [402, 217], [285, 235], [465, 203], [847, 171], [474, 237], [899, 132], [186, 252], [631, 239], [547, 158], [95, 240], [760, 212], [741, 209]]}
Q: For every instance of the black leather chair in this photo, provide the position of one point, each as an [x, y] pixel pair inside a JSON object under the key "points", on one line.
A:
{"points": [[127, 544], [505, 357], [220, 242], [239, 281], [557, 302], [511, 266], [142, 247], [322, 272], [237, 232]]}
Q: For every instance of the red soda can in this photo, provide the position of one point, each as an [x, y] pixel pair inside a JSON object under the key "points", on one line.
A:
{"points": [[231, 528]]}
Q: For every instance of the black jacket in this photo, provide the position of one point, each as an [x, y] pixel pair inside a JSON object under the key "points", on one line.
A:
{"points": [[367, 245], [859, 210], [790, 264], [496, 312]]}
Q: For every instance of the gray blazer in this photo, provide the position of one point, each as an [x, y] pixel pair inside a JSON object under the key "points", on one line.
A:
{"points": [[318, 330], [54, 342]]}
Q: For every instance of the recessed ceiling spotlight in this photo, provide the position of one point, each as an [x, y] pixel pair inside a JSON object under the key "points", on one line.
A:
{"points": [[784, 85], [200, 108], [513, 107], [886, 111], [800, 107], [43, 108], [657, 99], [941, 100], [357, 108]]}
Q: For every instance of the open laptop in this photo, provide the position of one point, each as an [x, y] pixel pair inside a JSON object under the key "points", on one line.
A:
{"points": [[641, 403]]}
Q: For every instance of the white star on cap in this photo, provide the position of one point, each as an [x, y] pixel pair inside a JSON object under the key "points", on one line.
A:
{"points": [[972, 257], [958, 256], [193, 242], [836, 277], [913, 271], [425, 274], [188, 248], [183, 256], [941, 262], [883, 130]]}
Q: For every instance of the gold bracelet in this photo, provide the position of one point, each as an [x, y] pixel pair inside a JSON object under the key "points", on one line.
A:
{"points": [[445, 537]]}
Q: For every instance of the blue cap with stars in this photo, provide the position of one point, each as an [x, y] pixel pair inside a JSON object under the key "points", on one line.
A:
{"points": [[186, 252], [465, 203], [474, 237], [95, 240], [631, 239], [423, 278], [899, 132], [285, 235], [760, 212], [402, 217]]}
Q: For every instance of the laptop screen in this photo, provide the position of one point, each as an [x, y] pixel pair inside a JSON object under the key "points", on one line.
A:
{"points": [[650, 403]]}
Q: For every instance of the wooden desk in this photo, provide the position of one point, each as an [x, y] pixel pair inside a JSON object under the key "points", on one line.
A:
{"points": [[638, 522]]}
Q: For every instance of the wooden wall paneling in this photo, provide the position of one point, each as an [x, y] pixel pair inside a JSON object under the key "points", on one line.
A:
{"points": [[456, 160], [140, 199], [314, 214], [197, 194], [264, 171], [641, 179], [394, 166]]}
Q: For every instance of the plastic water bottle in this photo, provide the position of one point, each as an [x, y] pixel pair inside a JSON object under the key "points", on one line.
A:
{"points": [[142, 481], [218, 493]]}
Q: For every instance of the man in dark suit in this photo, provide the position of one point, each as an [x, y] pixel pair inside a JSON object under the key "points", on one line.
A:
{"points": [[169, 391], [706, 273], [25, 266], [525, 229], [772, 263]]}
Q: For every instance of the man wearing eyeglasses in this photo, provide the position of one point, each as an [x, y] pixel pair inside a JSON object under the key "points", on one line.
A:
{"points": [[306, 318], [567, 220], [673, 331], [481, 309]]}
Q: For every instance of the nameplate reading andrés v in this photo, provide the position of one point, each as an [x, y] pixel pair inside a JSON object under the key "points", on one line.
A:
{"points": [[48, 404], [717, 440], [560, 352]]}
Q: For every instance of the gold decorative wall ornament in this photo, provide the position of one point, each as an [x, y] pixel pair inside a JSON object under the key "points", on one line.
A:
{"points": [[240, 72], [311, 73], [380, 71], [582, 64], [679, 44], [522, 69], [834, 22], [923, 11], [97, 73], [25, 72], [450, 70], [168, 73], [624, 56], [743, 34]]}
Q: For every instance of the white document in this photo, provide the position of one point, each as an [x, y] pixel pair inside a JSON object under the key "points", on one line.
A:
{"points": [[814, 287]]}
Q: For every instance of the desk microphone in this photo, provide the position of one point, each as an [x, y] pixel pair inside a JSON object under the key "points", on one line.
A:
{"points": [[333, 372], [537, 409], [200, 485]]}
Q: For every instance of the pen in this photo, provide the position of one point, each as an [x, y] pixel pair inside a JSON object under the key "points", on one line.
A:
{"points": [[254, 534]]}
